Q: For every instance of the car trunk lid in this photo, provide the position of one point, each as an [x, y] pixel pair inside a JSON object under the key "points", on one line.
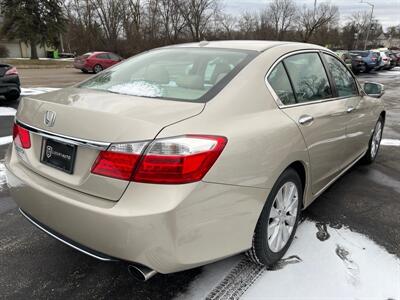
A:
{"points": [[98, 119]]}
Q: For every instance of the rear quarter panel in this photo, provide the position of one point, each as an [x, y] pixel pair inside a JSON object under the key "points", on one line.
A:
{"points": [[262, 140]]}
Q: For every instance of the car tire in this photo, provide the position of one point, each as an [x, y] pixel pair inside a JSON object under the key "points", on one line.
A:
{"points": [[275, 219], [367, 69], [97, 68], [85, 71], [12, 96], [374, 142]]}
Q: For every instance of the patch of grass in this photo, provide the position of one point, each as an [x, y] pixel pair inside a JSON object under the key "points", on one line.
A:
{"points": [[37, 63]]}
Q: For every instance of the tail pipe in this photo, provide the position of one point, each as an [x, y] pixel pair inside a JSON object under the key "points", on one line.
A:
{"points": [[141, 273]]}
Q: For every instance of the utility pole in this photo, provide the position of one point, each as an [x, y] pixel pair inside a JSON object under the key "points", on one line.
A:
{"points": [[370, 22], [315, 8]]}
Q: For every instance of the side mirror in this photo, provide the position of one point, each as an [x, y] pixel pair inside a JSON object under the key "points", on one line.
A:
{"points": [[373, 89]]}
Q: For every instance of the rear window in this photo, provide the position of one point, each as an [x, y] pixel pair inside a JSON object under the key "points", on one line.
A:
{"points": [[86, 55], [361, 53], [185, 74]]}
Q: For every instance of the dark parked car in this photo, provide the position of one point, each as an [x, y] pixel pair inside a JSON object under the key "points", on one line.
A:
{"points": [[393, 59], [371, 59], [397, 54], [9, 82], [96, 61], [67, 55], [357, 63], [352, 61]]}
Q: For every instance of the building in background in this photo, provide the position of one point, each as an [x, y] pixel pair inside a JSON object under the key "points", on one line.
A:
{"points": [[19, 49], [387, 41]]}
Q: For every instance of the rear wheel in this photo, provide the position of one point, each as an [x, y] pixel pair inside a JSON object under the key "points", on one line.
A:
{"points": [[374, 143], [97, 69], [85, 71], [278, 221]]}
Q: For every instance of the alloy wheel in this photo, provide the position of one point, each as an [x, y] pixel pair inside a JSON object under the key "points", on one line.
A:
{"points": [[97, 69], [282, 217], [376, 139]]}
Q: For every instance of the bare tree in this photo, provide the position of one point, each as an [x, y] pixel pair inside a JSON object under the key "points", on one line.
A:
{"points": [[110, 17], [172, 21], [311, 19], [357, 26], [131, 26], [281, 14], [227, 24], [248, 25], [197, 14], [83, 32], [152, 22], [132, 14]]}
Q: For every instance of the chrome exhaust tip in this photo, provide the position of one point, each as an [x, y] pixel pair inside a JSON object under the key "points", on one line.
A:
{"points": [[141, 273]]}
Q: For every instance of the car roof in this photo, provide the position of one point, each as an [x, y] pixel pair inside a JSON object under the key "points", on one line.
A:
{"points": [[254, 45]]}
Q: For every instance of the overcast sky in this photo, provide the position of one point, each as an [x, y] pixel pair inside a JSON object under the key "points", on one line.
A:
{"points": [[386, 11]]}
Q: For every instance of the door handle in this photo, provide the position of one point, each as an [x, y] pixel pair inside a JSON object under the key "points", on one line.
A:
{"points": [[350, 109], [303, 120]]}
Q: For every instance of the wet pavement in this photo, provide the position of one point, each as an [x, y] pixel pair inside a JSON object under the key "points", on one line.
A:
{"points": [[366, 200]]}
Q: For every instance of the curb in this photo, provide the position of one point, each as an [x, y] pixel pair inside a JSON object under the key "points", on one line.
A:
{"points": [[24, 67]]}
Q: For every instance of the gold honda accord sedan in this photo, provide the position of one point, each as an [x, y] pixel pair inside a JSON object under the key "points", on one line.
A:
{"points": [[188, 154]]}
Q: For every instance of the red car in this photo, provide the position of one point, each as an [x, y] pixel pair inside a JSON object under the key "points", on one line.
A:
{"points": [[96, 61]]}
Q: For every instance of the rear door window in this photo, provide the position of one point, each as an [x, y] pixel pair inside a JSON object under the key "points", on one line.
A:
{"points": [[280, 83], [344, 81], [308, 76], [102, 56]]}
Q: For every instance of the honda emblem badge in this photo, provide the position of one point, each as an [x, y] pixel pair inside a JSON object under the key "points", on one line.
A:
{"points": [[49, 118]]}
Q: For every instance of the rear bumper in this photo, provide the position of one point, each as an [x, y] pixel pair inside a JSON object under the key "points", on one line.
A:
{"points": [[166, 228], [9, 88], [66, 241], [9, 84], [82, 67], [372, 65]]}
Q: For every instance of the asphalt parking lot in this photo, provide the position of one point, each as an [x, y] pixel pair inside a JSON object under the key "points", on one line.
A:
{"points": [[58, 78], [366, 200]]}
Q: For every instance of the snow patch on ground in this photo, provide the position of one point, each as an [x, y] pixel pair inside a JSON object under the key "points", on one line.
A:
{"points": [[392, 72], [37, 91], [138, 88], [5, 140], [344, 265], [7, 111], [3, 178], [390, 142]]}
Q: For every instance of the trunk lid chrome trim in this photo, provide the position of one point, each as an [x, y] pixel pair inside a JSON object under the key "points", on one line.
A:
{"points": [[65, 139]]}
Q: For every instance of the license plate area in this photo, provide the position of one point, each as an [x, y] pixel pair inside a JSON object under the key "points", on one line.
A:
{"points": [[58, 155]]}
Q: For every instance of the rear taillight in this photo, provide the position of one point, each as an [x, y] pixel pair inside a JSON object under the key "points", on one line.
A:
{"points": [[179, 160], [165, 161], [119, 161], [12, 71], [21, 137]]}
